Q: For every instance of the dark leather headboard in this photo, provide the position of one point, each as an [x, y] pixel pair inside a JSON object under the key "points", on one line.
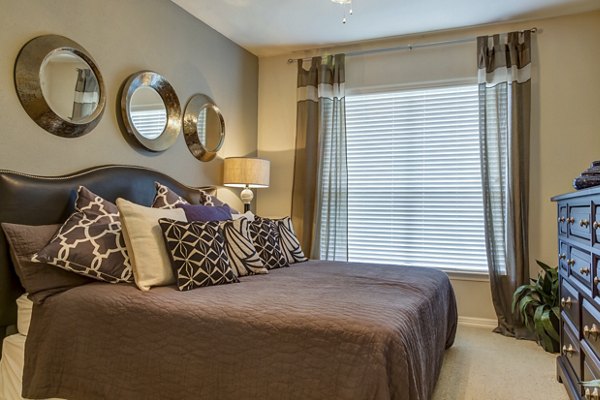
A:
{"points": [[42, 200]]}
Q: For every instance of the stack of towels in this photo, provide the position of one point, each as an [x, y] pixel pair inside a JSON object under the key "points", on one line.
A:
{"points": [[589, 177]]}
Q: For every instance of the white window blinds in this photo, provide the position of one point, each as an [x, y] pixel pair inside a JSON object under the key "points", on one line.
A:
{"points": [[414, 177]]}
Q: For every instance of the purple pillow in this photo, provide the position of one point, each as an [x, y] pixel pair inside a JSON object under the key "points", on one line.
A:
{"points": [[197, 212]]}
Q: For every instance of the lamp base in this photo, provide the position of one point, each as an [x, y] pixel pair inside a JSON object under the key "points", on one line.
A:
{"points": [[246, 195]]}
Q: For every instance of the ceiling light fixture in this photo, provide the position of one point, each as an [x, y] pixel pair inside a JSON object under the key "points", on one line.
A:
{"points": [[347, 4]]}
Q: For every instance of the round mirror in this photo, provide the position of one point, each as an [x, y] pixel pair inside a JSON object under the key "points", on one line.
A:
{"points": [[150, 110], [203, 127], [59, 85]]}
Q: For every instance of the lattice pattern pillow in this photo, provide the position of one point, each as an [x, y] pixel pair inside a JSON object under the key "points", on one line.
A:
{"points": [[243, 257], [166, 198], [90, 246], [290, 245], [197, 253], [265, 237]]}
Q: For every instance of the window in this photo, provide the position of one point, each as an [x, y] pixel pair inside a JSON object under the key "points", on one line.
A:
{"points": [[414, 178]]}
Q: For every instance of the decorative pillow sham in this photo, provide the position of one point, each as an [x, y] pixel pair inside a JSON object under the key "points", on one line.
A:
{"points": [[197, 253], [145, 244], [248, 215], [265, 237], [202, 213], [92, 247], [39, 280], [91, 204], [290, 245], [243, 257], [166, 198]]}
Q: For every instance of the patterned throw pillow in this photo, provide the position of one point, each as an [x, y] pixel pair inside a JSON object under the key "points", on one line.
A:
{"points": [[242, 255], [265, 237], [290, 245], [91, 204], [197, 253], [90, 242], [90, 246], [166, 198]]}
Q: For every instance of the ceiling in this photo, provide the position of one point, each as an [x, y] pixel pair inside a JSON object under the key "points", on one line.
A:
{"points": [[270, 27]]}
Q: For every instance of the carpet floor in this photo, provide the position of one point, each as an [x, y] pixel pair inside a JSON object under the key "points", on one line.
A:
{"points": [[485, 365]]}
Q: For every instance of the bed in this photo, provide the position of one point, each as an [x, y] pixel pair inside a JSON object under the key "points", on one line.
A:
{"points": [[315, 330]]}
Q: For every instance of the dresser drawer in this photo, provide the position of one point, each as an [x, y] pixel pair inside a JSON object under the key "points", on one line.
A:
{"points": [[569, 302], [579, 222], [580, 266], [590, 326], [569, 349], [595, 225], [591, 371], [563, 255], [562, 219]]}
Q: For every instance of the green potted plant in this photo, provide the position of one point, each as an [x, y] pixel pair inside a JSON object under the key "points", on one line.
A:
{"points": [[538, 306]]}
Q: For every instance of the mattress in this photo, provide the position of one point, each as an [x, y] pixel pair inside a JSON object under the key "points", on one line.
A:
{"points": [[13, 353], [24, 309]]}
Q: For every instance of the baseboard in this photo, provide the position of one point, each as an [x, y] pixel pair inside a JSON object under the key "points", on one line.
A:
{"points": [[478, 322]]}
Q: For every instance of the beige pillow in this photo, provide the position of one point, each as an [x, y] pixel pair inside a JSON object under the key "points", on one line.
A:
{"points": [[145, 243]]}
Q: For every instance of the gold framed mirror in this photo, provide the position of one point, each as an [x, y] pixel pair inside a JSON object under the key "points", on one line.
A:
{"points": [[59, 85], [203, 127], [150, 110]]}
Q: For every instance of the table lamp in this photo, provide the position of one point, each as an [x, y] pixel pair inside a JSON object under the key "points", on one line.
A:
{"points": [[247, 173]]}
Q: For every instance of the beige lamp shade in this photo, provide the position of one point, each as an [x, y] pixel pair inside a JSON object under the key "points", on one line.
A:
{"points": [[246, 172]]}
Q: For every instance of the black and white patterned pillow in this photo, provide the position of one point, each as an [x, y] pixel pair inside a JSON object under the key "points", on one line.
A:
{"points": [[265, 237], [91, 246], [290, 245], [242, 255], [91, 204], [166, 198], [197, 253]]}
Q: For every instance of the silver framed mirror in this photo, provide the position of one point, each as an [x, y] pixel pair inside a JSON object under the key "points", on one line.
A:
{"points": [[150, 110], [59, 85], [203, 127]]}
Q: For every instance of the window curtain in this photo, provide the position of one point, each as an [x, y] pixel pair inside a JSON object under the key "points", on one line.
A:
{"points": [[86, 94], [320, 187], [504, 76]]}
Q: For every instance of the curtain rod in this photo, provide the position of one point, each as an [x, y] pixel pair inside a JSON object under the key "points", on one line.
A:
{"points": [[406, 47]]}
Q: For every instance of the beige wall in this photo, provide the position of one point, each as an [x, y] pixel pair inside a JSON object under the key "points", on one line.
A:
{"points": [[565, 117], [125, 37]]}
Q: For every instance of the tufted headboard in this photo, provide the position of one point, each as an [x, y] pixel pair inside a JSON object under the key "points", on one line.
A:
{"points": [[42, 200]]}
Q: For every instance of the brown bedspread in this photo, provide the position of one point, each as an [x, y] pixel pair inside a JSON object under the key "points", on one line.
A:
{"points": [[319, 330]]}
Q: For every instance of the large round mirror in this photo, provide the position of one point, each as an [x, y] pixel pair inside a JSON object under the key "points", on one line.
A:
{"points": [[150, 110], [59, 85], [203, 127]]}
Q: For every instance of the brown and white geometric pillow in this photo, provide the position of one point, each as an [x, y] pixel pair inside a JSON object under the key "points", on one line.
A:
{"points": [[90, 246], [243, 257], [166, 198], [197, 253], [265, 237], [91, 204], [290, 245]]}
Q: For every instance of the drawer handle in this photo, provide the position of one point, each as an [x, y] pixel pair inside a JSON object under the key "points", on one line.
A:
{"points": [[596, 280], [561, 219], [570, 261], [584, 271], [589, 395], [584, 222], [593, 331], [571, 220], [566, 303], [567, 351], [562, 256], [596, 225]]}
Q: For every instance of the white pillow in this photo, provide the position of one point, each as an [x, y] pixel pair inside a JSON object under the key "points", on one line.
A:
{"points": [[248, 214], [145, 243]]}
